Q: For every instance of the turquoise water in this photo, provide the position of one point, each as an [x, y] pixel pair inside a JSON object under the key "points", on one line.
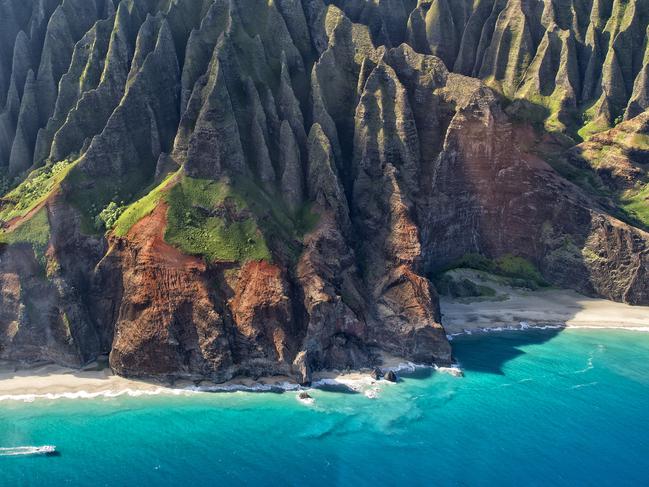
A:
{"points": [[537, 408]]}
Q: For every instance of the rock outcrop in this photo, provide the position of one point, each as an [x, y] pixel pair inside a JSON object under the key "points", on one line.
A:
{"points": [[213, 188]]}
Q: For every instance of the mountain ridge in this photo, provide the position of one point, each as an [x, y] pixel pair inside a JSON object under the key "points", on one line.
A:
{"points": [[220, 188]]}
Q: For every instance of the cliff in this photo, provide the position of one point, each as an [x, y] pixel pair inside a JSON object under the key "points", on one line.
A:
{"points": [[211, 188]]}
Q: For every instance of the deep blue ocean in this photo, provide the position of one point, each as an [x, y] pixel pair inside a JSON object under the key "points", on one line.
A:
{"points": [[544, 408]]}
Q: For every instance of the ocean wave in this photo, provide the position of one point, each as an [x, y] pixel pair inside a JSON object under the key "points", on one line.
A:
{"points": [[354, 384], [526, 326], [455, 370], [579, 386], [108, 393], [373, 393], [129, 392], [589, 363], [279, 386], [522, 326], [406, 367]]}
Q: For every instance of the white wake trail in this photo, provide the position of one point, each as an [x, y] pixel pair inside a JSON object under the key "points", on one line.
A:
{"points": [[26, 450]]}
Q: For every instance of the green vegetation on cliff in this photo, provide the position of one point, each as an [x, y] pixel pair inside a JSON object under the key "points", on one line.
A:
{"points": [[612, 166], [34, 190], [221, 220], [132, 214], [520, 271], [35, 232], [210, 218], [636, 204], [91, 195]]}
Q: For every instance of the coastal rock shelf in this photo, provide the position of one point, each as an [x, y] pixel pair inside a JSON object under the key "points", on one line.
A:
{"points": [[219, 188]]}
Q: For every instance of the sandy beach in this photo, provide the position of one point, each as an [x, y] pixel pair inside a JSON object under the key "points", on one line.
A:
{"points": [[52, 381], [56, 382], [515, 306]]}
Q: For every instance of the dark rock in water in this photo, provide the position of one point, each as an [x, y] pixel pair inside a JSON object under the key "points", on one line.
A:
{"points": [[376, 374], [390, 376], [304, 395]]}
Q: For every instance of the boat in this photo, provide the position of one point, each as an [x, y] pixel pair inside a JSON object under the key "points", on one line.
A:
{"points": [[47, 450]]}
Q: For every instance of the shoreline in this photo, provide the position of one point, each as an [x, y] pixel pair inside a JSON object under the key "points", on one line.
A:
{"points": [[52, 382], [516, 310]]}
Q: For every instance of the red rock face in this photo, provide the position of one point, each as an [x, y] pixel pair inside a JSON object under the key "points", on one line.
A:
{"points": [[262, 312], [179, 317], [514, 203], [163, 291]]}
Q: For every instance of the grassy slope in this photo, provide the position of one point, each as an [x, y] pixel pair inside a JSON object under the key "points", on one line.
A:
{"points": [[633, 202], [34, 190], [197, 225], [222, 220], [636, 204], [35, 231], [141, 208]]}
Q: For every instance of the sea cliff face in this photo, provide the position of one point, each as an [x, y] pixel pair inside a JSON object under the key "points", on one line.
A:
{"points": [[211, 188]]}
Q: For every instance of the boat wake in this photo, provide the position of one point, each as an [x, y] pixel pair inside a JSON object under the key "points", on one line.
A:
{"points": [[27, 450]]}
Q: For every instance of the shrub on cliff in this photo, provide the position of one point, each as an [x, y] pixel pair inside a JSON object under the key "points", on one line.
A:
{"points": [[522, 272], [109, 215]]}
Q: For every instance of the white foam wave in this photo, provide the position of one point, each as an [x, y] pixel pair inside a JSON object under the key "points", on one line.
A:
{"points": [[357, 384], [373, 393], [524, 325], [109, 393], [589, 365], [129, 392], [405, 367], [279, 386], [455, 370]]}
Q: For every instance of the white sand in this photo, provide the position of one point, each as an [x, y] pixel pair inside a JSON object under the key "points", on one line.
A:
{"points": [[55, 382], [557, 307], [52, 381]]}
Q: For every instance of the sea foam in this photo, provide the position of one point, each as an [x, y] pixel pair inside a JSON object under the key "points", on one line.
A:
{"points": [[525, 326]]}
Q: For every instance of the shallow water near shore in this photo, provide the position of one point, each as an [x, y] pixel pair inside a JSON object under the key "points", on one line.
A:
{"points": [[553, 407]]}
